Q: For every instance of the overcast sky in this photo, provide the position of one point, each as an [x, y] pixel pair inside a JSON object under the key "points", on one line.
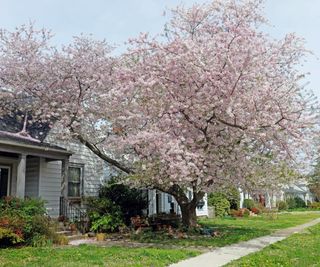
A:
{"points": [[118, 20]]}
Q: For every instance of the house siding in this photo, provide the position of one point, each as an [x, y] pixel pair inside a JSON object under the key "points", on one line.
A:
{"points": [[32, 177], [95, 169], [50, 185]]}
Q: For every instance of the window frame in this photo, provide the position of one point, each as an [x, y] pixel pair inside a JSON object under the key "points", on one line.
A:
{"points": [[81, 167]]}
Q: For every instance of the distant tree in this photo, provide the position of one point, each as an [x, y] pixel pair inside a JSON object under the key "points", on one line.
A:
{"points": [[314, 181]]}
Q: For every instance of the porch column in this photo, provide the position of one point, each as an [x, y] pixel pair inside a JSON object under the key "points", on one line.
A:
{"points": [[21, 176], [64, 177]]}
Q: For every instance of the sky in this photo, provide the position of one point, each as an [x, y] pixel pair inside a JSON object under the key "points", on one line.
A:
{"points": [[116, 21]]}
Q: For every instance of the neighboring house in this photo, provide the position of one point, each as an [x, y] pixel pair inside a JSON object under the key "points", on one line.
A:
{"points": [[298, 189], [60, 174], [270, 198], [160, 202]]}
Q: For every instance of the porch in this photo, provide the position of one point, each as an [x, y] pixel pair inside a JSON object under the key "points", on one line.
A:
{"points": [[29, 168]]}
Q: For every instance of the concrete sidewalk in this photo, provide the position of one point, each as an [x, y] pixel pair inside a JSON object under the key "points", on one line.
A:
{"points": [[224, 255]]}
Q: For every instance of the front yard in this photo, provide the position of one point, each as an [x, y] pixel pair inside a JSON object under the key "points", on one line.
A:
{"points": [[230, 230], [85, 255], [300, 250]]}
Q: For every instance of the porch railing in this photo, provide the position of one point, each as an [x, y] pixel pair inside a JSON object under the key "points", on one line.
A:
{"points": [[74, 214]]}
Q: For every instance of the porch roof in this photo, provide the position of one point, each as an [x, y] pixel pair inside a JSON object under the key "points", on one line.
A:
{"points": [[16, 143]]}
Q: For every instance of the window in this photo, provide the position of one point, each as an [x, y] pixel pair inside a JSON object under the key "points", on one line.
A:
{"points": [[200, 204], [75, 181], [4, 181]]}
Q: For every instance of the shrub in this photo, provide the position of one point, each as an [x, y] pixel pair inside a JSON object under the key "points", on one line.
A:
{"points": [[282, 205], [131, 201], [248, 203], [220, 203], [291, 202], [8, 237], [104, 215], [233, 196], [106, 223], [26, 220], [300, 203], [256, 210], [315, 205]]}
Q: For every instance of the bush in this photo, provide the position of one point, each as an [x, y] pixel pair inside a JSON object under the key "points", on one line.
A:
{"points": [[104, 215], [291, 203], [233, 196], [220, 203], [256, 210], [131, 201], [300, 203], [8, 237], [25, 222], [248, 203], [282, 205], [295, 202], [314, 205]]}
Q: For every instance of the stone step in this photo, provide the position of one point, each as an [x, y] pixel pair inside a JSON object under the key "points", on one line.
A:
{"points": [[65, 232]]}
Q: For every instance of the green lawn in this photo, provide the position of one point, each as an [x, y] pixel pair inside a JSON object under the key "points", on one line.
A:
{"points": [[86, 255], [232, 230], [300, 250]]}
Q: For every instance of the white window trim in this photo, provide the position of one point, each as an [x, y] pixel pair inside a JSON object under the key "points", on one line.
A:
{"points": [[81, 167]]}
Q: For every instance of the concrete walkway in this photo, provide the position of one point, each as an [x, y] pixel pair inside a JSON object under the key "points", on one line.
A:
{"points": [[224, 255]]}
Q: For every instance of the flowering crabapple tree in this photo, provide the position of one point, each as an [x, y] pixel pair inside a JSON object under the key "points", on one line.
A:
{"points": [[213, 100], [209, 102]]}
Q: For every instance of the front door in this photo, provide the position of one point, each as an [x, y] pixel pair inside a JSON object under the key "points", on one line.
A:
{"points": [[4, 181]]}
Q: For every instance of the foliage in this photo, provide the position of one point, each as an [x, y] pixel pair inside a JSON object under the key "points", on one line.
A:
{"points": [[8, 237], [314, 181], [314, 205], [233, 196], [85, 255], [26, 219], [256, 210], [106, 223], [131, 201], [295, 202], [282, 205], [220, 203], [114, 206], [104, 215], [248, 203], [300, 203], [291, 203]]}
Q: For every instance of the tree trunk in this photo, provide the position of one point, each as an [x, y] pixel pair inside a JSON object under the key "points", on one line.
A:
{"points": [[189, 215], [187, 206]]}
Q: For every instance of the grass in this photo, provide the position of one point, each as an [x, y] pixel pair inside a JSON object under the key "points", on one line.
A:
{"points": [[299, 250], [86, 255], [232, 230]]}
